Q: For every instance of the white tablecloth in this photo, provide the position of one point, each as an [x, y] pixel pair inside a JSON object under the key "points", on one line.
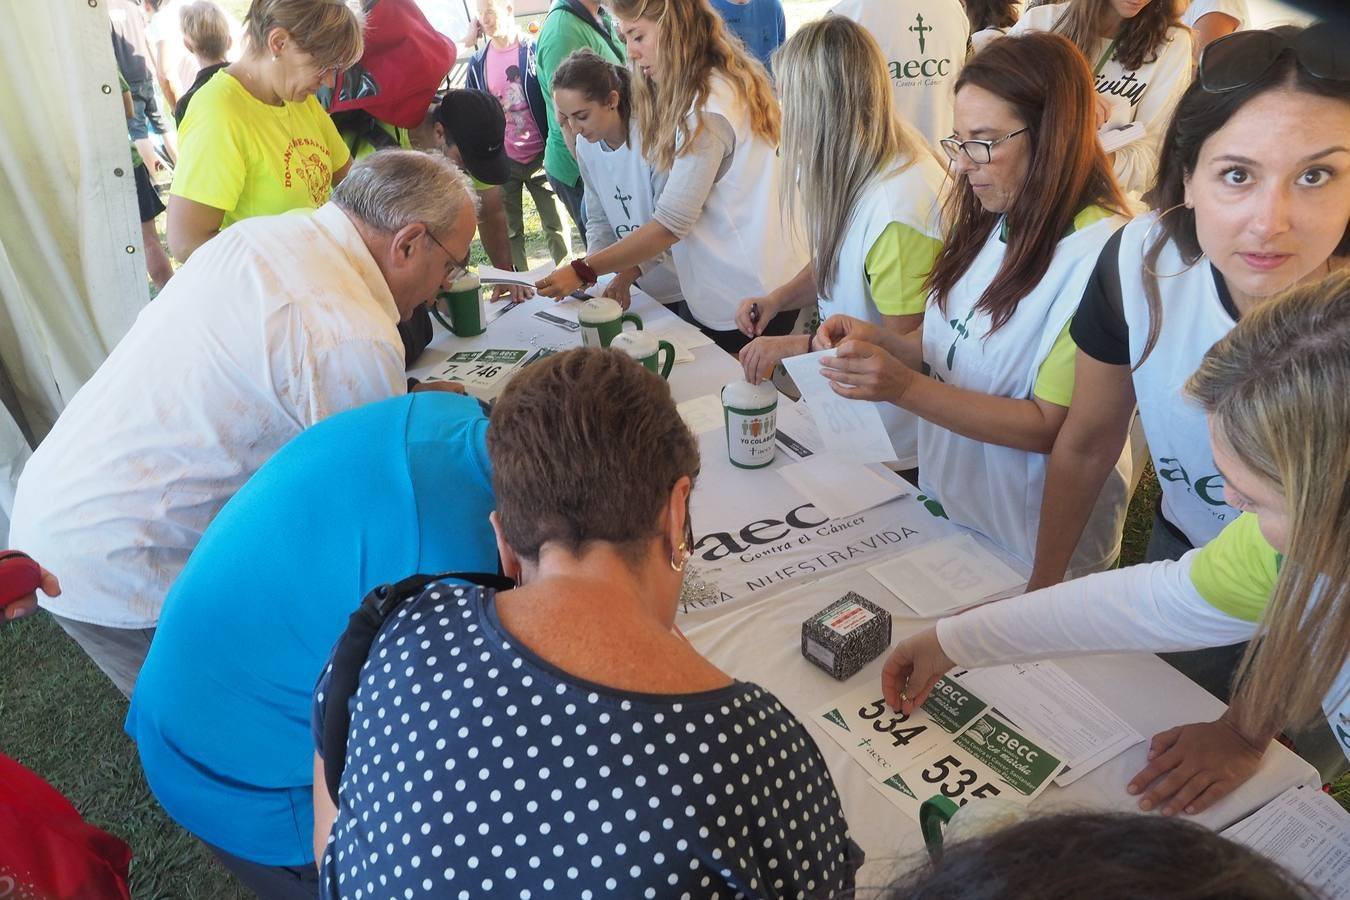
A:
{"points": [[757, 637]]}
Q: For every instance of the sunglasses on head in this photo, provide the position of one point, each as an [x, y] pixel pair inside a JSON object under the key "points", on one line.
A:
{"points": [[1238, 59]]}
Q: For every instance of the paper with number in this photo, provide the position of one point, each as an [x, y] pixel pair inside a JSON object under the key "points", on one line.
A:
{"points": [[1022, 762], [1306, 832], [1044, 699], [956, 774], [943, 575], [885, 741], [481, 368], [841, 488], [851, 429]]}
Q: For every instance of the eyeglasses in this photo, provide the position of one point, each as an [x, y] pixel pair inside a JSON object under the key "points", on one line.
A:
{"points": [[460, 266], [978, 152], [1236, 60]]}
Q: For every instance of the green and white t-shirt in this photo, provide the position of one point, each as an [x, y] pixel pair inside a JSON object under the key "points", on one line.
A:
{"points": [[1194, 318], [893, 237], [993, 489]]}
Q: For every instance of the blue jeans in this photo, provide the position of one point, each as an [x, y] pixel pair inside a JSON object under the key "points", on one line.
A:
{"points": [[146, 116], [573, 197]]}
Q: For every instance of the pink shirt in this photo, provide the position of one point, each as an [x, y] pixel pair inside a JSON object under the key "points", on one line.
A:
{"points": [[524, 139]]}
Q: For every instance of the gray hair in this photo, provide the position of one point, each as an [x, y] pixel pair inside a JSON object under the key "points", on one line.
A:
{"points": [[392, 189]]}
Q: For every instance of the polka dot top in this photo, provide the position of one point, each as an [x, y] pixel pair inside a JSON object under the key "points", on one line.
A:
{"points": [[476, 769]]}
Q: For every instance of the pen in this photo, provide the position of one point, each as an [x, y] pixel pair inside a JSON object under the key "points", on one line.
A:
{"points": [[754, 313]]}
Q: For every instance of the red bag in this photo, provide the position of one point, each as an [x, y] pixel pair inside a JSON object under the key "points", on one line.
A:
{"points": [[47, 851], [404, 62], [19, 577]]}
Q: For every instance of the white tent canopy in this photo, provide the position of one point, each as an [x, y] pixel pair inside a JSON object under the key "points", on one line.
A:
{"points": [[72, 276]]}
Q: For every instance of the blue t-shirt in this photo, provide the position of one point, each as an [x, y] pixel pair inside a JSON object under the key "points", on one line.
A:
{"points": [[476, 769], [221, 711], [759, 24]]}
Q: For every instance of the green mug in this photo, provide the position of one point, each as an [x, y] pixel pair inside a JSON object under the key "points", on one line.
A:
{"points": [[941, 820], [602, 319], [647, 350], [464, 304]]}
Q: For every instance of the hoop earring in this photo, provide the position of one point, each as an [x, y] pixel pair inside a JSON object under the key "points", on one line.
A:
{"points": [[1148, 242], [684, 553]]}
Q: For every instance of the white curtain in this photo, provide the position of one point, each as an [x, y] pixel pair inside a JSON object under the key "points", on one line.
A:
{"points": [[72, 269]]}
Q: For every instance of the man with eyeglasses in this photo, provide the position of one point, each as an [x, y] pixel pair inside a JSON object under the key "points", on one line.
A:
{"points": [[271, 326]]}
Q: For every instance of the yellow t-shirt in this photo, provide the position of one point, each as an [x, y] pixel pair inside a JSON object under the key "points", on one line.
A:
{"points": [[249, 158], [897, 263], [1236, 572], [1054, 379]]}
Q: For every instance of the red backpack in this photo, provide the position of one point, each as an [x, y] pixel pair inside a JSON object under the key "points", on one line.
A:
{"points": [[404, 62]]}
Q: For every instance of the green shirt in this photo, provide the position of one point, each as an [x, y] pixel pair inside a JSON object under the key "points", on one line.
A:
{"points": [[564, 32]]}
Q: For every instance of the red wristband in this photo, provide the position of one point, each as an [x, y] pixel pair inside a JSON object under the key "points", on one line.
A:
{"points": [[584, 272]]}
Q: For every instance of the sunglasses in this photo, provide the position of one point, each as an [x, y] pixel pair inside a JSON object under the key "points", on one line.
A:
{"points": [[1238, 59]]}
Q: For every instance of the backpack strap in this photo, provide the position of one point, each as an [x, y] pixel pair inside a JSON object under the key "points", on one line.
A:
{"points": [[353, 648], [575, 8]]}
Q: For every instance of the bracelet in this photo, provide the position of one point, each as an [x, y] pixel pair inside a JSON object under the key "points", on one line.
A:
{"points": [[584, 272]]}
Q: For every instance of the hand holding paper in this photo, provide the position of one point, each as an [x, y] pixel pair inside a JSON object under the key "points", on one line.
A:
{"points": [[850, 429], [837, 328], [913, 668], [860, 370], [490, 275]]}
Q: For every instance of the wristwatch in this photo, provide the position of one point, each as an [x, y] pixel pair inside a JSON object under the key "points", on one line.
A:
{"points": [[584, 272]]}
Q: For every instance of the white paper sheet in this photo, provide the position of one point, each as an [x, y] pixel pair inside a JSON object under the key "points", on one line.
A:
{"points": [[1113, 137], [491, 275], [947, 574], [1043, 699], [1308, 833], [851, 429], [680, 333], [840, 488], [702, 413]]}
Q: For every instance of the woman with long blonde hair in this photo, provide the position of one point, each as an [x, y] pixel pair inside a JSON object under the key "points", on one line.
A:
{"points": [[867, 196], [1140, 55], [1276, 392], [706, 113]]}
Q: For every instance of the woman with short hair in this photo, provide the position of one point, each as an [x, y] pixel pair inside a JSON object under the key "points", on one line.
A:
{"points": [[562, 737], [706, 114], [989, 373], [255, 141]]}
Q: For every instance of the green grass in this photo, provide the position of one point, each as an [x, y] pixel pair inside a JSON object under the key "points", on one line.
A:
{"points": [[63, 719]]}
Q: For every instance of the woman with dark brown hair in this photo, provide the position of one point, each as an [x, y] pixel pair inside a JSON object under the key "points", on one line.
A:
{"points": [[1033, 204], [1140, 56], [990, 19]]}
